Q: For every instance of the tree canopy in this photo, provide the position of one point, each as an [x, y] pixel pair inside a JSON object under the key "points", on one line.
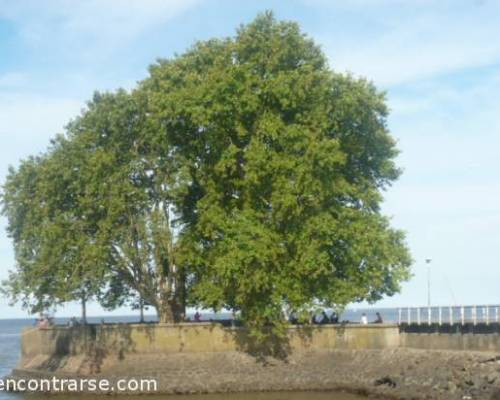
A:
{"points": [[244, 174]]}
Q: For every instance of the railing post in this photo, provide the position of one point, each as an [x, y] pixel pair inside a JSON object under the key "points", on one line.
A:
{"points": [[440, 315], [409, 315], [451, 315], [474, 315], [462, 314], [487, 315], [418, 315], [399, 316], [429, 315]]}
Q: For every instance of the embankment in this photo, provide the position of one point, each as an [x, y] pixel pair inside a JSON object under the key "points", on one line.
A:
{"points": [[186, 358]]}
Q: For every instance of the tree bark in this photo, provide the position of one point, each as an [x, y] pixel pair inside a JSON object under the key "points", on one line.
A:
{"points": [[166, 313], [141, 306], [84, 310]]}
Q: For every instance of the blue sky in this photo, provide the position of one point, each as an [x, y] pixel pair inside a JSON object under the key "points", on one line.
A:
{"points": [[439, 62]]}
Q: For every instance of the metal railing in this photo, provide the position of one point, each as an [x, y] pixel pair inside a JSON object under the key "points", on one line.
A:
{"points": [[475, 314]]}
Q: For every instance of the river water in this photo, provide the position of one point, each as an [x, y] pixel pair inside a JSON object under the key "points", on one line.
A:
{"points": [[227, 396], [10, 336]]}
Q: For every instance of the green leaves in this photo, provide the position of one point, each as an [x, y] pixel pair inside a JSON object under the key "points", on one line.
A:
{"points": [[290, 162], [244, 174]]}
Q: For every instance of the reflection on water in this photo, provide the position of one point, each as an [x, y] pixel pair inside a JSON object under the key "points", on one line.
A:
{"points": [[222, 396]]}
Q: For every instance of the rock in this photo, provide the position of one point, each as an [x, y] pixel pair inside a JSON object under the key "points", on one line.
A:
{"points": [[386, 380], [451, 387], [491, 378]]}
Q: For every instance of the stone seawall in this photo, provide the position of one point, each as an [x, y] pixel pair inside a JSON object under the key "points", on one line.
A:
{"points": [[194, 358], [121, 339]]}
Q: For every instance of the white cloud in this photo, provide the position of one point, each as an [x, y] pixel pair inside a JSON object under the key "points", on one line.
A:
{"points": [[91, 29], [407, 43], [96, 17]]}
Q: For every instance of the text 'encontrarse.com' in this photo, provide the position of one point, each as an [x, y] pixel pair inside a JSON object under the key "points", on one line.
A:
{"points": [[54, 385]]}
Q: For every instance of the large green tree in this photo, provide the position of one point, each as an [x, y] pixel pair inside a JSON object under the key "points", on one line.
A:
{"points": [[288, 161], [271, 165]]}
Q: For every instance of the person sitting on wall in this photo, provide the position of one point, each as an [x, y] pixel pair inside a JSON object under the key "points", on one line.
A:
{"points": [[292, 319], [364, 319], [197, 317], [334, 318], [379, 319], [44, 323], [323, 319]]}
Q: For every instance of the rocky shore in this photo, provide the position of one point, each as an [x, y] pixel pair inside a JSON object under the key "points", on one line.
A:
{"points": [[421, 374], [387, 374]]}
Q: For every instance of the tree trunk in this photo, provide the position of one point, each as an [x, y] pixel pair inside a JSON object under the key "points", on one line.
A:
{"points": [[181, 296], [141, 306], [169, 312], [84, 310]]}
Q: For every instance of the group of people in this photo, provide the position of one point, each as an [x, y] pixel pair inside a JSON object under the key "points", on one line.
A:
{"points": [[323, 318], [46, 322], [378, 319], [317, 319]]}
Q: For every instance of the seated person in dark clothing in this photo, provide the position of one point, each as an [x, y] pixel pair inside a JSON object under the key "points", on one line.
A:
{"points": [[334, 318], [379, 319], [323, 319]]}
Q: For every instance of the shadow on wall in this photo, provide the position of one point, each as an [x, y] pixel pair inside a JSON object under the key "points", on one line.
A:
{"points": [[93, 342], [97, 342], [267, 345], [263, 345]]}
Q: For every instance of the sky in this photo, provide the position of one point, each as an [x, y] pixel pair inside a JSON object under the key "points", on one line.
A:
{"points": [[438, 61]]}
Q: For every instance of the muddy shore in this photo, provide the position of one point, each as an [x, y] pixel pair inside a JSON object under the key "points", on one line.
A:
{"points": [[386, 374]]}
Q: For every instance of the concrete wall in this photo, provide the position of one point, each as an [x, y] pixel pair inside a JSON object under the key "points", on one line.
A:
{"points": [[119, 340], [193, 338]]}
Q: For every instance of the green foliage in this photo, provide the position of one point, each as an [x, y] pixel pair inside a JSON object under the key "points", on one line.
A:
{"points": [[271, 165], [56, 260], [289, 163]]}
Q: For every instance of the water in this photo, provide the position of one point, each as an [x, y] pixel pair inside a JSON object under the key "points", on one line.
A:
{"points": [[10, 336], [221, 396]]}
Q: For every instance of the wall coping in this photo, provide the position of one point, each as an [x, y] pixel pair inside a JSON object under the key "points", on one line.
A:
{"points": [[204, 324]]}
